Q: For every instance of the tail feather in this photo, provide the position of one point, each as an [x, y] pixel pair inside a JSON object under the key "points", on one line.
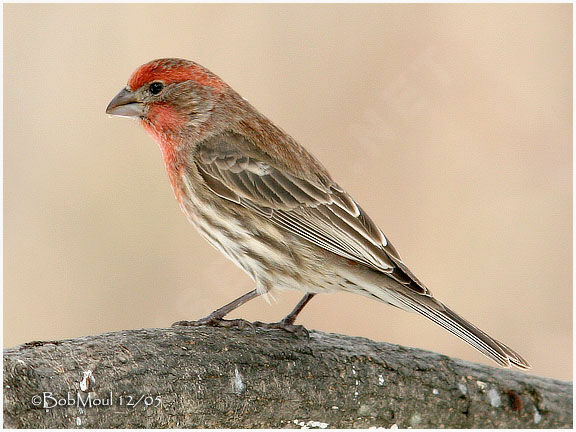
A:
{"points": [[454, 323], [502, 351]]}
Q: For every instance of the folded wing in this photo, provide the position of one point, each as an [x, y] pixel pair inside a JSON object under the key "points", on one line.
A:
{"points": [[317, 210]]}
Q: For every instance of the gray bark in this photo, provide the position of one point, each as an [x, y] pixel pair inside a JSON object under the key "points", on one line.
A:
{"points": [[254, 378]]}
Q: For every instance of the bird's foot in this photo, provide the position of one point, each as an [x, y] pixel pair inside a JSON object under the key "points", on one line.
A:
{"points": [[297, 330], [215, 321]]}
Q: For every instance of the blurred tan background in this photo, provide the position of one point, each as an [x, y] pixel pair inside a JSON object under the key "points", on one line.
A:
{"points": [[451, 125]]}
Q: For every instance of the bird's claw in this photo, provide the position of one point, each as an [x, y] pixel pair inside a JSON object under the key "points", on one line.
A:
{"points": [[212, 321], [215, 322], [297, 330]]}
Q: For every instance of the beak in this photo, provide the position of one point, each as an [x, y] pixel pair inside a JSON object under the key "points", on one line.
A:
{"points": [[125, 104]]}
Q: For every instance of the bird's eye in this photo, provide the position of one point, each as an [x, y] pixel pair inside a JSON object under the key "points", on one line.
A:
{"points": [[156, 87]]}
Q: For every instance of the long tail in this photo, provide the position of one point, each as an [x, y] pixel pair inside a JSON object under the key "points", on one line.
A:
{"points": [[454, 323]]}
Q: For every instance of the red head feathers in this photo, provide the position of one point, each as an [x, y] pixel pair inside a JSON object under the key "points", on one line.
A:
{"points": [[174, 70]]}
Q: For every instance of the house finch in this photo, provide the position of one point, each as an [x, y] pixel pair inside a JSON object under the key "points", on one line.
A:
{"points": [[261, 199]]}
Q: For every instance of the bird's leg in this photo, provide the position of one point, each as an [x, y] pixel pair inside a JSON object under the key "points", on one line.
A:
{"points": [[291, 317], [287, 323], [216, 318]]}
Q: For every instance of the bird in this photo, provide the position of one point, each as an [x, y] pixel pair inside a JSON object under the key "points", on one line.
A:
{"points": [[271, 207]]}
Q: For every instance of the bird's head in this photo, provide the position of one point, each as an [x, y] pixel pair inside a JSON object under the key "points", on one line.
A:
{"points": [[170, 97]]}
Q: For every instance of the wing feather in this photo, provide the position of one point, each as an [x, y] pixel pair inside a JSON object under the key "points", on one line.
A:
{"points": [[316, 210]]}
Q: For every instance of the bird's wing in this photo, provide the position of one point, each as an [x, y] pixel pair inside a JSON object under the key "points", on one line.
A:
{"points": [[318, 211]]}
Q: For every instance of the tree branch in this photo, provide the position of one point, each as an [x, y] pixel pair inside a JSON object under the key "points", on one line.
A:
{"points": [[253, 378]]}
